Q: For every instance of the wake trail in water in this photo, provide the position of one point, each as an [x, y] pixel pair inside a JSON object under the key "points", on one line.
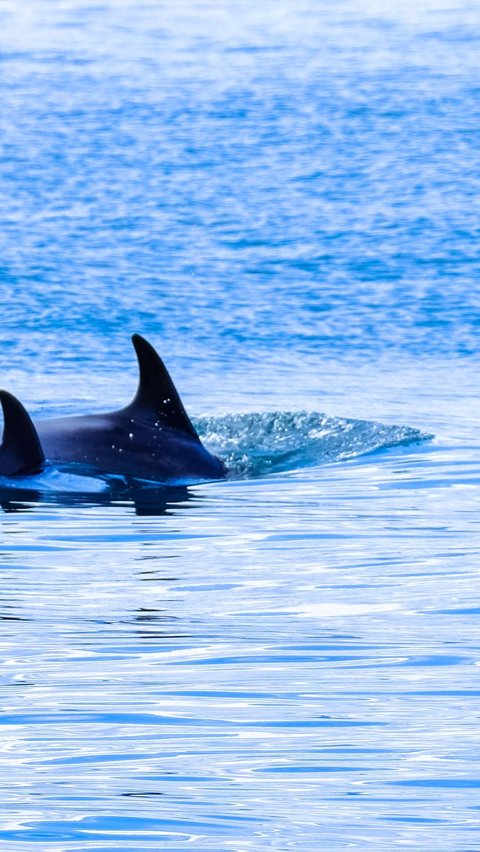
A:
{"points": [[254, 444], [251, 445]]}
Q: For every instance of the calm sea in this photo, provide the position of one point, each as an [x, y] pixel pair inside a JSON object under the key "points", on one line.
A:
{"points": [[284, 197]]}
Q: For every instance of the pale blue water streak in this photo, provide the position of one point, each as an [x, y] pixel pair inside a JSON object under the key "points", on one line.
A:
{"points": [[284, 198]]}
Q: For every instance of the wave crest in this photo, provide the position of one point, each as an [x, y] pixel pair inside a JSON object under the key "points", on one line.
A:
{"points": [[253, 444]]}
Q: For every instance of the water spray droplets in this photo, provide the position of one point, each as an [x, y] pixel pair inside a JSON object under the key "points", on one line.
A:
{"points": [[255, 444]]}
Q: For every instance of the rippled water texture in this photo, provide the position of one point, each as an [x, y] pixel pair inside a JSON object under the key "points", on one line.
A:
{"points": [[284, 198]]}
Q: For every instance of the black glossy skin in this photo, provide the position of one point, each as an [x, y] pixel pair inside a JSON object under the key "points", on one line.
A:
{"points": [[130, 444], [152, 438]]}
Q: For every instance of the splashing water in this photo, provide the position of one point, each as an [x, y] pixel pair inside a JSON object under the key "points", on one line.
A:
{"points": [[251, 445], [254, 444]]}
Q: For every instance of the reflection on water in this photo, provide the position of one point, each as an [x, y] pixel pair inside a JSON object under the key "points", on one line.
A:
{"points": [[271, 659], [284, 197], [144, 499], [250, 445]]}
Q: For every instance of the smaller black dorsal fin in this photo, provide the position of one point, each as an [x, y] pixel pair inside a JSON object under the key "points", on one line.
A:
{"points": [[156, 393], [21, 450]]}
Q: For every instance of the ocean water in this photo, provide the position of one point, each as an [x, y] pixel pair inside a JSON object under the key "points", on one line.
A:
{"points": [[284, 198]]}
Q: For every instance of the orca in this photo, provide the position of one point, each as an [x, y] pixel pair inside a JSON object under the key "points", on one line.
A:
{"points": [[21, 450], [152, 438]]}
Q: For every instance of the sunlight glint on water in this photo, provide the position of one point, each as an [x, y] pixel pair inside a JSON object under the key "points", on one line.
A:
{"points": [[284, 199]]}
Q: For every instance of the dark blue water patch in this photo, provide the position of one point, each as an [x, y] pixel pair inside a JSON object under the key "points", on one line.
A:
{"points": [[145, 719], [436, 660], [413, 820], [312, 723], [135, 172], [438, 783], [98, 758], [271, 659], [293, 770], [350, 750], [37, 547], [419, 482], [240, 694], [116, 827], [324, 722], [321, 646], [69, 717], [120, 538], [475, 610], [445, 693]]}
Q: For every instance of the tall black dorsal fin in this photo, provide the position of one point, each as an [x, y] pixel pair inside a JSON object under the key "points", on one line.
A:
{"points": [[21, 450], [156, 393]]}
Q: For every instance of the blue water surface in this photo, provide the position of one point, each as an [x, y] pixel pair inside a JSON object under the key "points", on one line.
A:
{"points": [[284, 198]]}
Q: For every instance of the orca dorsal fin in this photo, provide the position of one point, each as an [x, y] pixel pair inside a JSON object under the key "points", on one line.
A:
{"points": [[21, 450], [156, 393]]}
